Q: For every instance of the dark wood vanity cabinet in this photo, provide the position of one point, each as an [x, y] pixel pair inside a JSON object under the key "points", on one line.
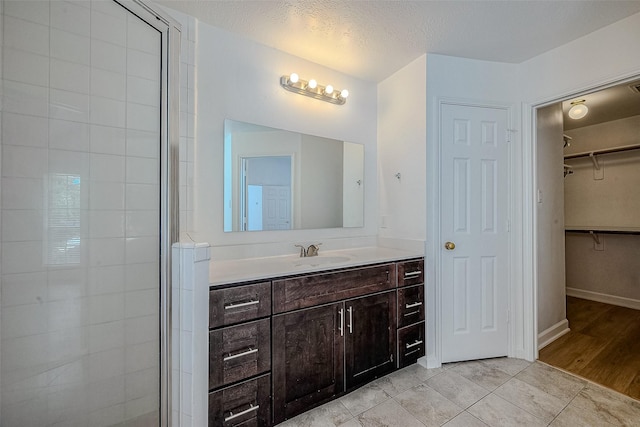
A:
{"points": [[411, 311]]}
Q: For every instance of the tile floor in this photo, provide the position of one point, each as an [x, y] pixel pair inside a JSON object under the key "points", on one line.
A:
{"points": [[492, 392]]}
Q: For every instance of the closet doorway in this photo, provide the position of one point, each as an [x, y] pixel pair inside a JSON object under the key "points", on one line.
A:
{"points": [[600, 199]]}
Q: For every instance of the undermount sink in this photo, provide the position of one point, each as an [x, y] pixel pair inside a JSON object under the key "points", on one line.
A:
{"points": [[320, 260]]}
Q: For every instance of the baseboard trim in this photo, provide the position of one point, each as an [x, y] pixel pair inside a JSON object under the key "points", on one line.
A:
{"points": [[607, 299], [551, 334]]}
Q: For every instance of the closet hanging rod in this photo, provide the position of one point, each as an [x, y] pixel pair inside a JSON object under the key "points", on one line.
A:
{"points": [[599, 231], [602, 151]]}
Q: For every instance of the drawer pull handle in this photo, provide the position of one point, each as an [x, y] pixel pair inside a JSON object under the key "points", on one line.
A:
{"points": [[415, 304], [412, 274], [411, 313], [241, 304], [341, 327], [244, 353], [350, 325], [239, 414], [418, 342]]}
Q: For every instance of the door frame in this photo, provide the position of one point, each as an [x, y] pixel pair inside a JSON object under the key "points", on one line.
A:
{"points": [[433, 257]]}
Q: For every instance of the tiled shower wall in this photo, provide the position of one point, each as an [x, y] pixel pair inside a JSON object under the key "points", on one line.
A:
{"points": [[79, 215]]}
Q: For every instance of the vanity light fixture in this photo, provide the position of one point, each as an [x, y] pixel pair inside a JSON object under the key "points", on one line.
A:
{"points": [[311, 88], [578, 109]]}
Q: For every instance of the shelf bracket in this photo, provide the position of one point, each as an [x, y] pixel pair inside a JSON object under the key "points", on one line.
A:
{"points": [[596, 238], [594, 159]]}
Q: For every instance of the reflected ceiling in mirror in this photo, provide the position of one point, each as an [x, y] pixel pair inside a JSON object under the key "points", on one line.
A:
{"points": [[276, 179]]}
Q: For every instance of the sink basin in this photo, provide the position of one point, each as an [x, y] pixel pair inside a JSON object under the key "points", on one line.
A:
{"points": [[315, 261]]}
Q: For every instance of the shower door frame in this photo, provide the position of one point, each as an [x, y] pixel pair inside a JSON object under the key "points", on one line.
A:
{"points": [[169, 163]]}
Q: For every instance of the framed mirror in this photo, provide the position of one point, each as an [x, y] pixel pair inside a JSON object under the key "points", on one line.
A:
{"points": [[276, 179]]}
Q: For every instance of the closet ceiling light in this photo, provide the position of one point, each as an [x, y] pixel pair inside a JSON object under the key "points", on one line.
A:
{"points": [[293, 83], [578, 109]]}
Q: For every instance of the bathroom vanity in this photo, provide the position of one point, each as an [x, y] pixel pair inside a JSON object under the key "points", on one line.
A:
{"points": [[281, 345]]}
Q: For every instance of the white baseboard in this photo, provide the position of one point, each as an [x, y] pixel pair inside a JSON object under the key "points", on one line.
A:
{"points": [[551, 334], [607, 299]]}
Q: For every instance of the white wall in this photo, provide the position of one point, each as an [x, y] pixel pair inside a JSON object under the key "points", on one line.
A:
{"points": [[550, 215], [239, 79], [402, 139]]}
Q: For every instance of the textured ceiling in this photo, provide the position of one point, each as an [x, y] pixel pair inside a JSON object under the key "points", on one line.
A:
{"points": [[373, 39]]}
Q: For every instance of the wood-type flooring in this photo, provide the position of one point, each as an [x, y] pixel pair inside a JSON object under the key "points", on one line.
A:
{"points": [[603, 345]]}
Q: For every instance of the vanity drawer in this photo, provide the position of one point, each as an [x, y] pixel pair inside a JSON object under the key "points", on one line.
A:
{"points": [[411, 344], [239, 304], [410, 272], [410, 305], [239, 352], [315, 289], [242, 405]]}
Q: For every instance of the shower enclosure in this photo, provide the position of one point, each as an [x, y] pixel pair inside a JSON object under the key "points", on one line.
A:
{"points": [[88, 212]]}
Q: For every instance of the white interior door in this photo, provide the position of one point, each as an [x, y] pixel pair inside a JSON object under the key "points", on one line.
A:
{"points": [[474, 218], [276, 207]]}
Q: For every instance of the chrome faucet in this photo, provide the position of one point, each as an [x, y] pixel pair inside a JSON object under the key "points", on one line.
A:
{"points": [[312, 250]]}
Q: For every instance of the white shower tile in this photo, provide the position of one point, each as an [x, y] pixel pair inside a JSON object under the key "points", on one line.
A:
{"points": [[143, 91], [143, 144], [65, 105], [70, 47], [110, 8], [27, 99], [142, 276], [141, 249], [22, 257], [103, 252], [23, 288], [20, 355], [142, 223], [140, 36], [23, 320], [145, 408], [66, 284], [106, 195], [106, 336], [141, 303], [142, 196], [108, 390], [106, 280], [108, 56], [142, 171], [145, 65], [71, 163], [37, 12], [106, 308], [25, 67], [25, 35], [24, 162], [109, 84], [70, 17], [69, 76], [143, 117], [107, 140], [109, 416], [108, 112], [22, 193], [18, 129], [106, 223], [141, 329], [106, 167], [67, 344], [68, 135], [141, 383], [108, 28], [142, 356], [21, 225], [66, 314]]}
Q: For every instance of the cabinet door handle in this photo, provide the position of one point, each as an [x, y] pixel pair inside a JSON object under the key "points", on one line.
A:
{"points": [[350, 310], [411, 313], [418, 342], [239, 414], [341, 327], [241, 304], [244, 353], [412, 274], [415, 304]]}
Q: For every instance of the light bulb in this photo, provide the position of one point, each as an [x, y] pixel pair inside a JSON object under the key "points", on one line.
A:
{"points": [[312, 84], [328, 89], [293, 78], [578, 111], [344, 94]]}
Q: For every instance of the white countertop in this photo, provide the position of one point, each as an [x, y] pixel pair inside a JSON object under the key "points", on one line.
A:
{"points": [[225, 272]]}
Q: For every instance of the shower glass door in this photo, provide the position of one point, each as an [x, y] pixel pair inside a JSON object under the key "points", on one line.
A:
{"points": [[80, 215]]}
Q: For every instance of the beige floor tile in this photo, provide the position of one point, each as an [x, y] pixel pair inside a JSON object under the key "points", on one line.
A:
{"points": [[465, 419], [482, 374], [610, 406], [388, 414], [573, 416], [508, 365], [351, 423], [457, 389], [428, 406], [553, 381], [531, 399], [497, 412], [404, 379], [364, 398], [328, 415]]}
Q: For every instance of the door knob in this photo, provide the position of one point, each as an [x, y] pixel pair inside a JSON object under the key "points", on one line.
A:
{"points": [[449, 246]]}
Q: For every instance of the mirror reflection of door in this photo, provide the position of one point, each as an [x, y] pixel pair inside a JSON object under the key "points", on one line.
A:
{"points": [[266, 193]]}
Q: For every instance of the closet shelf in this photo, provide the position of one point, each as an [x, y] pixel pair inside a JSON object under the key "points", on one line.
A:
{"points": [[604, 230], [603, 151]]}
